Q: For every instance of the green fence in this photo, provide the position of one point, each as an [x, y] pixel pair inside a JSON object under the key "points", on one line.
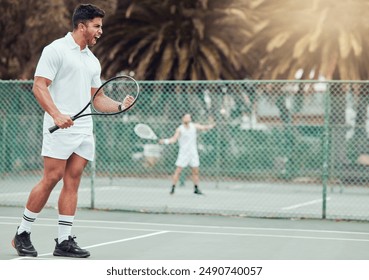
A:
{"points": [[293, 149]]}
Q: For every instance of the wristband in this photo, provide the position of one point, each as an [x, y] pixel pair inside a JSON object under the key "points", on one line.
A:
{"points": [[166, 141], [120, 107]]}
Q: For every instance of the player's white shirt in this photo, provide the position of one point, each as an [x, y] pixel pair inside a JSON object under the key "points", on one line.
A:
{"points": [[73, 73], [188, 154]]}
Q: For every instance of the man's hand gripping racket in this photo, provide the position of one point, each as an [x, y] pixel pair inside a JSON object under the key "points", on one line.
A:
{"points": [[115, 96]]}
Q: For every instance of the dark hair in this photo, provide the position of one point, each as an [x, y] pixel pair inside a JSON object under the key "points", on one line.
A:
{"points": [[86, 12]]}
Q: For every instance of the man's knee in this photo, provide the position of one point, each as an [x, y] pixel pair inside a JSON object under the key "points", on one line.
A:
{"points": [[52, 178]]}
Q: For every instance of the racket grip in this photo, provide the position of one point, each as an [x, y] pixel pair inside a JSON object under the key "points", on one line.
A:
{"points": [[53, 128]]}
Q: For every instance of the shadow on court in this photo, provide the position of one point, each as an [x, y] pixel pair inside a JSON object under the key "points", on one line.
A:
{"points": [[114, 235]]}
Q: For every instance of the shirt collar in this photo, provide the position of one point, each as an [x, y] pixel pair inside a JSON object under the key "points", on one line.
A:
{"points": [[73, 45]]}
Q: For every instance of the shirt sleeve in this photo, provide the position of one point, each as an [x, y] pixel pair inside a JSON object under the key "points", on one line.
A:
{"points": [[96, 81], [49, 63], [96, 77]]}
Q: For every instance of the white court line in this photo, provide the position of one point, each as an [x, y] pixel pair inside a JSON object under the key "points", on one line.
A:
{"points": [[208, 233], [89, 227], [191, 226], [127, 239], [273, 236], [221, 233], [198, 232], [304, 204], [105, 243]]}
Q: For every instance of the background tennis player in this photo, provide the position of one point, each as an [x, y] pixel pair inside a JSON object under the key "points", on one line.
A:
{"points": [[188, 155]]}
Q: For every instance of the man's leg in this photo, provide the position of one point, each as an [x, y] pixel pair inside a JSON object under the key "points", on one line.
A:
{"points": [[175, 178], [53, 172], [195, 179], [67, 204]]}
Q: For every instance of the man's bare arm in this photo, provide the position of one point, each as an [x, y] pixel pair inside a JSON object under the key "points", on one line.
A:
{"points": [[204, 127], [42, 94], [171, 140]]}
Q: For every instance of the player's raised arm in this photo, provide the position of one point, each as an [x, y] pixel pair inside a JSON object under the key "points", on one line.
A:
{"points": [[204, 127], [171, 140]]}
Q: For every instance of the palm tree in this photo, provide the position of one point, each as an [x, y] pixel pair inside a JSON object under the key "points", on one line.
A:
{"points": [[327, 38], [177, 39]]}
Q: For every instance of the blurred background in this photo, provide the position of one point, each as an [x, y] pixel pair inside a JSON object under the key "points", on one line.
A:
{"points": [[285, 81]]}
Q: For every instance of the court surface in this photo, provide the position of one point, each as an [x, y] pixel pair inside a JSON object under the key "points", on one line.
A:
{"points": [[115, 235]]}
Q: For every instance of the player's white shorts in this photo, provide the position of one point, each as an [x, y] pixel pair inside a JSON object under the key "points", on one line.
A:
{"points": [[191, 160], [63, 145]]}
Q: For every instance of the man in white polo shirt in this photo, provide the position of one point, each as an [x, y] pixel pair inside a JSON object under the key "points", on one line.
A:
{"points": [[66, 76]]}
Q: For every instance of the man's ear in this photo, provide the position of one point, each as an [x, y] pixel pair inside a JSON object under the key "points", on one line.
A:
{"points": [[81, 26]]}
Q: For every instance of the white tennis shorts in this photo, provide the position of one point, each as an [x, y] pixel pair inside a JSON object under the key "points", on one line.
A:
{"points": [[63, 145], [188, 159]]}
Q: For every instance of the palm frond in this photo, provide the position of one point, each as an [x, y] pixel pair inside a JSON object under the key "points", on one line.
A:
{"points": [[183, 62], [331, 34], [166, 62], [171, 39]]}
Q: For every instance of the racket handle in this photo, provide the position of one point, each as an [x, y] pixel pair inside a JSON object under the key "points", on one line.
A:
{"points": [[53, 128]]}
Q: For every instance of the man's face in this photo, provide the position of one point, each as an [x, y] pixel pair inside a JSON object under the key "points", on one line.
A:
{"points": [[187, 119], [92, 31]]}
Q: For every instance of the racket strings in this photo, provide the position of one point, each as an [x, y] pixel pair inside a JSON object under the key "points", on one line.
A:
{"points": [[144, 131]]}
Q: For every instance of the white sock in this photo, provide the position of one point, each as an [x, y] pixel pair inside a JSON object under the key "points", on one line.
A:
{"points": [[27, 221], [65, 227]]}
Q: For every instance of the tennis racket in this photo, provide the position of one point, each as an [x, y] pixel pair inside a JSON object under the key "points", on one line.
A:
{"points": [[144, 131], [108, 98]]}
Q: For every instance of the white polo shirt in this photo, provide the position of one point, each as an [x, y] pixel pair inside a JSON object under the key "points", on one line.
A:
{"points": [[73, 73]]}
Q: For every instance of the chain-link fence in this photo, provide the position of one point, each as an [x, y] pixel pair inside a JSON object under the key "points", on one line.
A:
{"points": [[279, 149]]}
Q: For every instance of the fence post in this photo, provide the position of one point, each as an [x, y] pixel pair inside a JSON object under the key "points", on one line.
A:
{"points": [[3, 146], [326, 150], [92, 179]]}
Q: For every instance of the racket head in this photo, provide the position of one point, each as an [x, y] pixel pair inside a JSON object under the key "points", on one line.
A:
{"points": [[144, 131], [112, 92]]}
